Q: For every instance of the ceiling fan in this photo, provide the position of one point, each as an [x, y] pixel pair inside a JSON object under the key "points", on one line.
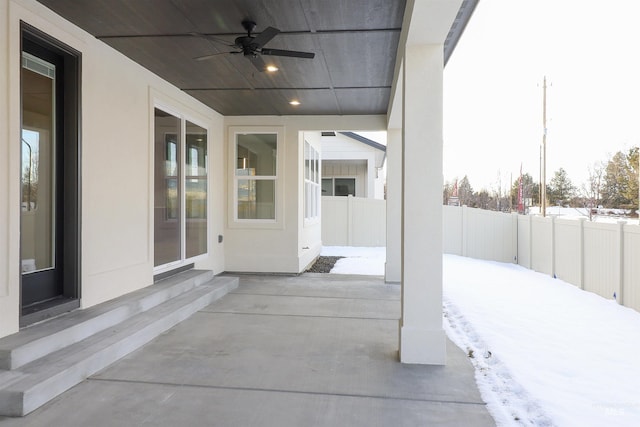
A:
{"points": [[253, 48]]}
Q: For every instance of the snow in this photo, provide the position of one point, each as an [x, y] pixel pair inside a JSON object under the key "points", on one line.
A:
{"points": [[359, 260], [545, 352]]}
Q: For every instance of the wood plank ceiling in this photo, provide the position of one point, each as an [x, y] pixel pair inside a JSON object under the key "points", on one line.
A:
{"points": [[354, 42]]}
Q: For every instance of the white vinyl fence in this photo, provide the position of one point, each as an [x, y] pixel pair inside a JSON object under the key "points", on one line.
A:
{"points": [[353, 221], [598, 257]]}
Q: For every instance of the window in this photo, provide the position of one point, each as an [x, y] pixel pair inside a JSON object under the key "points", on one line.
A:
{"points": [[327, 186], [338, 186], [256, 175], [311, 182], [344, 187]]}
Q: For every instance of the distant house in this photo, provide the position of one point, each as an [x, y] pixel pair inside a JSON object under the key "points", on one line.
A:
{"points": [[352, 165]]}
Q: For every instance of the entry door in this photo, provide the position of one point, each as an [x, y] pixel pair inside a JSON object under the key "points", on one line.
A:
{"points": [[49, 178], [40, 173]]}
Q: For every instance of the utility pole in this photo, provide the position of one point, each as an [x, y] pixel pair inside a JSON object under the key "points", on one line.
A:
{"points": [[543, 184]]}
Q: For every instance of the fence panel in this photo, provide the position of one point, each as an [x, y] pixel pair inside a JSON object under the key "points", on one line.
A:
{"points": [[524, 240], [489, 235], [541, 246], [368, 222], [452, 230], [353, 221], [568, 262], [631, 267], [335, 221], [602, 258], [599, 257]]}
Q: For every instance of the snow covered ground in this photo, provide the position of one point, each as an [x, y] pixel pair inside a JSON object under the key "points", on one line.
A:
{"points": [[545, 352]]}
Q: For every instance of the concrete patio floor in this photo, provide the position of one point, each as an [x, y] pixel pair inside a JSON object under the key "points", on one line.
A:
{"points": [[312, 350]]}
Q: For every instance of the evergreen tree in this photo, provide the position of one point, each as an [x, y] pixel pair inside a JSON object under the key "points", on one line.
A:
{"points": [[530, 191], [482, 200], [616, 182], [560, 190], [447, 190], [631, 172], [465, 192]]}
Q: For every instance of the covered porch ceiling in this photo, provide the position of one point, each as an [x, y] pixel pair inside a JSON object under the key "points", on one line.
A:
{"points": [[355, 44]]}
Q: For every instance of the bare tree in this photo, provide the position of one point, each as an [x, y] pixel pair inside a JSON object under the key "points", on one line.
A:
{"points": [[592, 189]]}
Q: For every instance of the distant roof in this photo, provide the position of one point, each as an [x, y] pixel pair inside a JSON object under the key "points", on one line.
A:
{"points": [[364, 140]]}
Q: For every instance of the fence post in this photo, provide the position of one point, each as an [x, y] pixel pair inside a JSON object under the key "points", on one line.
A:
{"points": [[553, 246], [349, 220], [514, 236], [465, 217], [581, 252], [620, 281], [530, 219]]}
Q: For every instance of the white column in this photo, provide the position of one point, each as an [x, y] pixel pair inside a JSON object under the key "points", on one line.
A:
{"points": [[392, 268], [422, 338]]}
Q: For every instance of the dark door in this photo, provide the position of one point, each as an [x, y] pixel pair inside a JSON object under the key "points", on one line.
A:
{"points": [[49, 177]]}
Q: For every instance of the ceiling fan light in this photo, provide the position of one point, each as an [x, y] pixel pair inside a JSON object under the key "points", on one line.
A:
{"points": [[272, 68], [294, 102]]}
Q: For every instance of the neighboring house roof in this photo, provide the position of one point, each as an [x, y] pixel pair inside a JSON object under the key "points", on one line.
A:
{"points": [[355, 140], [364, 140]]}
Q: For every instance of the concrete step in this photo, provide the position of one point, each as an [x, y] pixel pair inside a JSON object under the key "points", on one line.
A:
{"points": [[44, 338], [35, 383]]}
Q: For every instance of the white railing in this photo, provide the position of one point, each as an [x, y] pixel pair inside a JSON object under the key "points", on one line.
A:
{"points": [[598, 257], [353, 221]]}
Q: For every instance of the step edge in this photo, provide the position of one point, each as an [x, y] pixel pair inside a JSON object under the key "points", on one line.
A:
{"points": [[129, 342]]}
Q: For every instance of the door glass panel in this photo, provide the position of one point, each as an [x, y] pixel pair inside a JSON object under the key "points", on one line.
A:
{"points": [[38, 148], [196, 190], [167, 206]]}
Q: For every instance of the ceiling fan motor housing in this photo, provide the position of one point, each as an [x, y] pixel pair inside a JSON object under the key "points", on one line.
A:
{"points": [[246, 44]]}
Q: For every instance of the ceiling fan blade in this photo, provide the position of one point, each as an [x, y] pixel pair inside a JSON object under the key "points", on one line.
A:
{"points": [[257, 62], [213, 55], [212, 38], [265, 36], [290, 53]]}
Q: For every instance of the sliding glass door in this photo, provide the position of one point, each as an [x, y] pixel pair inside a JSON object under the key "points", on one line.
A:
{"points": [[180, 196]]}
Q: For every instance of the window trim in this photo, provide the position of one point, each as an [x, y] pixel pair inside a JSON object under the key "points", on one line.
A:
{"points": [[314, 182], [278, 179]]}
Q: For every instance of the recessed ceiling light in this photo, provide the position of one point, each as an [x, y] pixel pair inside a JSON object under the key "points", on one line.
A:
{"points": [[294, 102], [272, 68]]}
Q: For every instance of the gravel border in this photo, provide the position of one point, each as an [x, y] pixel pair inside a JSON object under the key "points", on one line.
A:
{"points": [[323, 264]]}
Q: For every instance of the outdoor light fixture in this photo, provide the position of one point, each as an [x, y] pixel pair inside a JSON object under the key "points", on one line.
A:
{"points": [[272, 68], [294, 102]]}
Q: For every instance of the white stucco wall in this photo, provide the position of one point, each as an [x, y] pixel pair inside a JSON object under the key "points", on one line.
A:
{"points": [[117, 163]]}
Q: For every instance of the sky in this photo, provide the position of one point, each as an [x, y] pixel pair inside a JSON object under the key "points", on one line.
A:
{"points": [[588, 51]]}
